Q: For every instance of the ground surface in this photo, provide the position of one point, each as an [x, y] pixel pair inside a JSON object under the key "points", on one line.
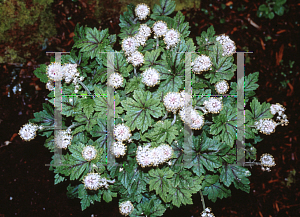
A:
{"points": [[27, 186]]}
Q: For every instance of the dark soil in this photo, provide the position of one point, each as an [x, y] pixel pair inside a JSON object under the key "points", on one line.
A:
{"points": [[27, 186]]}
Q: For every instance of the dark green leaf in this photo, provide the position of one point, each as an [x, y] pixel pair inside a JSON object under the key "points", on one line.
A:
{"points": [[41, 73], [163, 131], [139, 109]]}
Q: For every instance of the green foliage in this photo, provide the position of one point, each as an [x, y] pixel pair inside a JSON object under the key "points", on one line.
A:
{"points": [[205, 162], [140, 110], [270, 8]]}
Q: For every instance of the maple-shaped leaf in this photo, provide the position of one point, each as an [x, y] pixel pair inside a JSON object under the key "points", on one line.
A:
{"points": [[140, 109], [163, 131]]}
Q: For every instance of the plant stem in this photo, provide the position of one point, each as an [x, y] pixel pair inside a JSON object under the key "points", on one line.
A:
{"points": [[202, 200], [85, 87], [166, 115], [208, 122], [134, 21], [135, 72], [201, 108], [74, 125], [174, 120], [252, 163], [157, 42]]}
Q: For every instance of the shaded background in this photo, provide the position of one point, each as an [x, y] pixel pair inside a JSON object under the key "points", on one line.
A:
{"points": [[27, 186]]}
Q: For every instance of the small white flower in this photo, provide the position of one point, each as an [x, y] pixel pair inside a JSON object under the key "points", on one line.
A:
{"points": [[55, 71], [213, 105], [276, 108], [89, 153], [221, 87], [118, 149], [228, 45], [183, 97], [172, 101], [144, 30], [136, 58], [28, 131], [140, 39], [150, 77], [126, 208], [167, 151], [171, 38], [142, 11], [197, 120], [267, 160], [115, 80], [160, 28], [197, 123], [129, 45], [50, 85], [63, 139], [207, 213], [156, 156], [69, 72], [143, 156], [266, 126], [122, 132], [92, 181], [229, 48], [182, 113], [76, 91], [201, 63]]}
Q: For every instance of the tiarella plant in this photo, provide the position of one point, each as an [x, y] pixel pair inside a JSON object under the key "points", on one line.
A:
{"points": [[151, 172]]}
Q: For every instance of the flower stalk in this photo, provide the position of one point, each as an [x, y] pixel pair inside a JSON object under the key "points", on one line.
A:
{"points": [[202, 200], [85, 87], [174, 120]]}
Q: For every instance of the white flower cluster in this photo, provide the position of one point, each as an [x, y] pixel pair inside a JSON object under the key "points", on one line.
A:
{"points": [[267, 161], [207, 213], [213, 105], [28, 131], [89, 153], [129, 45], [227, 44], [115, 80], [63, 139], [118, 149], [68, 71], [278, 108], [136, 58], [197, 120], [150, 77], [126, 208], [183, 96], [201, 63], [143, 34], [221, 87], [173, 101], [94, 181], [171, 38], [122, 132], [159, 28], [55, 72], [266, 126], [142, 11], [147, 156]]}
